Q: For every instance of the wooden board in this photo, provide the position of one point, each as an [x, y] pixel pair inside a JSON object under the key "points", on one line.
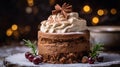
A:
{"points": [[19, 60]]}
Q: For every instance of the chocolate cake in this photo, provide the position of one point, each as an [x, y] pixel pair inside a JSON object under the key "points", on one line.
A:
{"points": [[63, 38], [63, 48]]}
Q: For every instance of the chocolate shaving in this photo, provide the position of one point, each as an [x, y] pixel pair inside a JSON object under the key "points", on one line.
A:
{"points": [[66, 8]]}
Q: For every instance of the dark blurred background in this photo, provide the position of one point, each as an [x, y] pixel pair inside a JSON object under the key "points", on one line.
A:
{"points": [[20, 19]]}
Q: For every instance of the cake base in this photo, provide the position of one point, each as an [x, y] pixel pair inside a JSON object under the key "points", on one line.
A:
{"points": [[64, 58], [63, 48]]}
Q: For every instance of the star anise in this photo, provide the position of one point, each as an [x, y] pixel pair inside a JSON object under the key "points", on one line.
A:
{"points": [[66, 8]]}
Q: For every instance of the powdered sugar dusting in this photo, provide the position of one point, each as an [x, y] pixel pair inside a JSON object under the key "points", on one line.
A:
{"points": [[19, 59], [109, 59]]}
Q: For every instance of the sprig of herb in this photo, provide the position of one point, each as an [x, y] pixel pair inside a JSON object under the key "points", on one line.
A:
{"points": [[31, 45], [95, 49]]}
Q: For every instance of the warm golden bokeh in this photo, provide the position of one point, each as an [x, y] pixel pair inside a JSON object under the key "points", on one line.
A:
{"points": [[86, 8], [113, 11], [100, 12], [95, 20], [9, 32], [14, 27], [30, 2]]}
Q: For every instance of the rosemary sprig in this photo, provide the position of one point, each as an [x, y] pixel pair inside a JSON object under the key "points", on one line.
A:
{"points": [[95, 49], [31, 45]]}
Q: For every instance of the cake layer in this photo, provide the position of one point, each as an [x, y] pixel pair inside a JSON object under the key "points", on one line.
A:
{"points": [[64, 47], [65, 58], [56, 48], [62, 43], [64, 36]]}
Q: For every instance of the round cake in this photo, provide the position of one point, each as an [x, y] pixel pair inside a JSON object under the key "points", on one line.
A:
{"points": [[63, 37]]}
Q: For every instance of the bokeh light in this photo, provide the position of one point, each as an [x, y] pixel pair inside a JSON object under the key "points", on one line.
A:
{"points": [[113, 11], [9, 32], [14, 27], [95, 20], [86, 8], [28, 10], [30, 2], [52, 2], [100, 12], [16, 34], [27, 28], [105, 11]]}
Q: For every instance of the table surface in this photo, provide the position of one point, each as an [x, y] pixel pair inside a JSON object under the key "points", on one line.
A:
{"points": [[109, 59], [8, 50]]}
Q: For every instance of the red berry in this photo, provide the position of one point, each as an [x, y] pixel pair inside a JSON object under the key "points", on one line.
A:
{"points": [[30, 58], [91, 60], [37, 60], [27, 54], [100, 59]]}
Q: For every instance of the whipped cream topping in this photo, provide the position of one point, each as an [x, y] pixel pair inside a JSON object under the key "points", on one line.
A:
{"points": [[58, 24]]}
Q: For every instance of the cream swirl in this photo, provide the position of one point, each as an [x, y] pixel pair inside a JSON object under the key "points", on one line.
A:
{"points": [[59, 24]]}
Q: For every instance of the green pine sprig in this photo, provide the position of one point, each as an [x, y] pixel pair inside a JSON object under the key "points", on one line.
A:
{"points": [[31, 45], [95, 49]]}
